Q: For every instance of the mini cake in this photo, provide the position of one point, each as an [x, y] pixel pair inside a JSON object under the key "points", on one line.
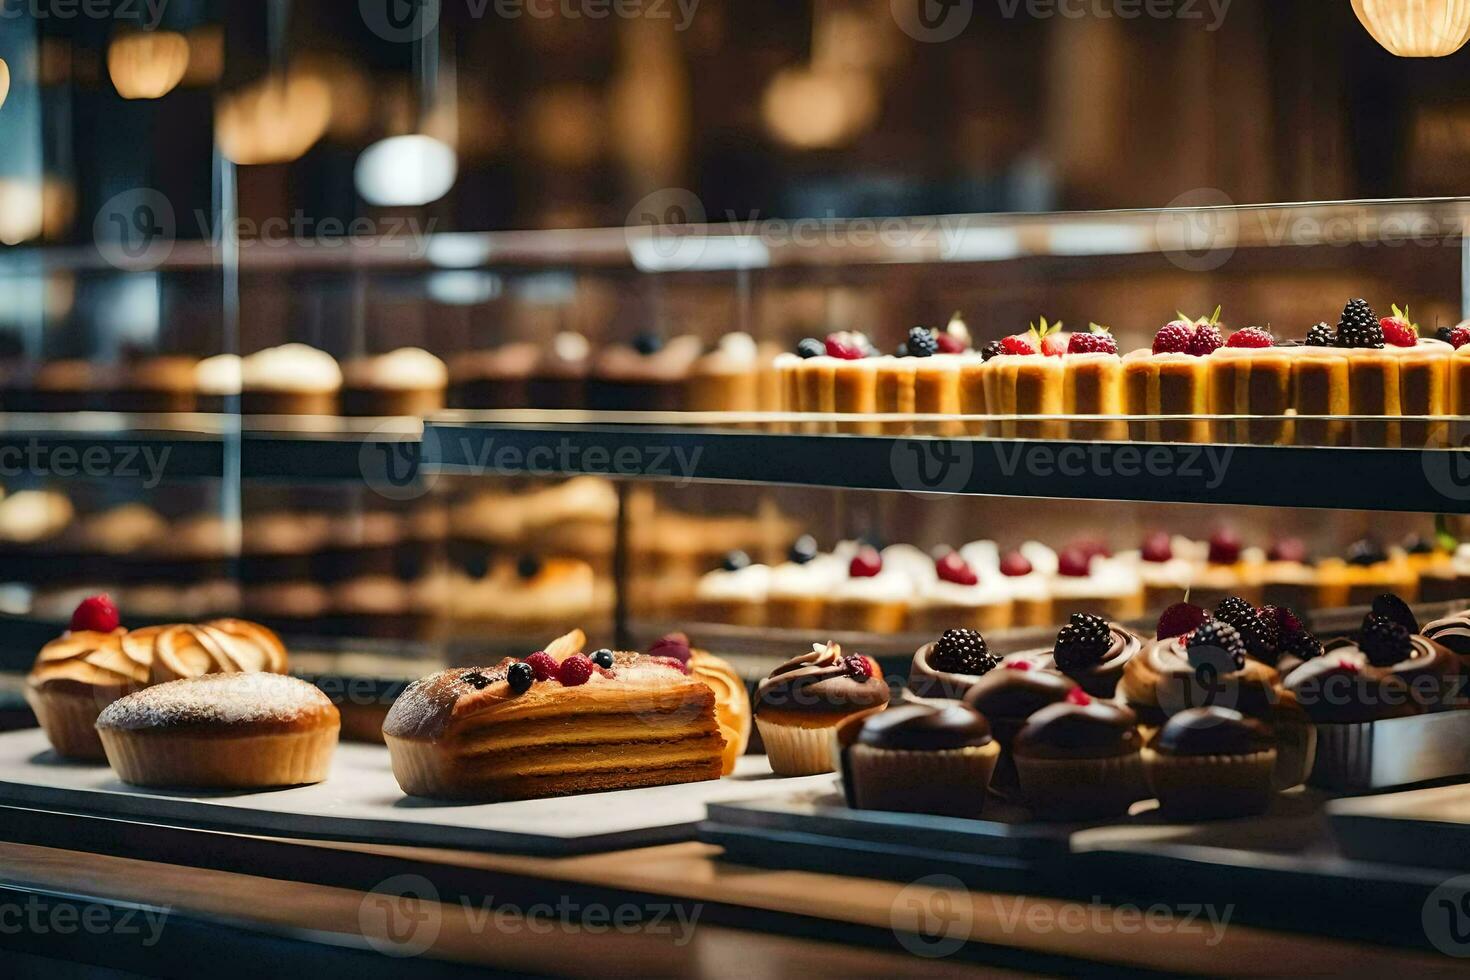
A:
{"points": [[1392, 372], [1290, 578], [1166, 568], [1029, 573], [1007, 696], [734, 593], [1080, 759], [217, 381], [407, 381], [1319, 390], [949, 667], [727, 379], [921, 758], [1209, 763], [1229, 569], [1098, 585], [292, 379], [162, 383], [648, 375], [799, 587], [1204, 668], [872, 598], [1091, 651], [1250, 376], [224, 731], [954, 594], [1369, 570], [492, 379], [557, 723], [1025, 376], [1172, 379], [802, 702], [1094, 386]]}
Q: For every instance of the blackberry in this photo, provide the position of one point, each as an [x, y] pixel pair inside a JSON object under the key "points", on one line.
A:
{"points": [[1366, 552], [811, 347], [1301, 645], [1359, 326], [1385, 642], [648, 344], [1233, 609], [963, 651], [1218, 646], [1259, 640], [1390, 606], [1321, 335], [1082, 643], [993, 349], [921, 343], [1445, 334]]}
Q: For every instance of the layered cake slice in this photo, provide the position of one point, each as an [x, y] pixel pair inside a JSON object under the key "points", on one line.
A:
{"points": [[557, 723], [1025, 376], [1392, 372], [1250, 376], [1172, 379], [1319, 390], [1093, 385]]}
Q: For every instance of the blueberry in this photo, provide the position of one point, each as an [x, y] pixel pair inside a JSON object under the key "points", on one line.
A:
{"points": [[603, 658], [521, 676], [735, 561], [804, 550], [811, 347], [528, 567], [648, 344]]}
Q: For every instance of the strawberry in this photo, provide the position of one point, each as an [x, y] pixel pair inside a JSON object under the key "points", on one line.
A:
{"points": [[1181, 619], [867, 563], [1073, 563], [1250, 337], [952, 568], [1017, 344], [1157, 547], [1098, 340], [1055, 344], [846, 345], [1225, 547], [1460, 336], [1399, 330], [1174, 337]]}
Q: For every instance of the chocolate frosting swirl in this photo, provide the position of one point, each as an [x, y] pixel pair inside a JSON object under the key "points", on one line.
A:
{"points": [[1100, 679], [1007, 693], [1343, 687], [1096, 730], [1452, 633], [1212, 731], [1162, 680], [819, 682], [930, 727]]}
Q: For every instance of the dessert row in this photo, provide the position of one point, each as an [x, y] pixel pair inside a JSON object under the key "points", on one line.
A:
{"points": [[859, 587], [1347, 385], [650, 374]]}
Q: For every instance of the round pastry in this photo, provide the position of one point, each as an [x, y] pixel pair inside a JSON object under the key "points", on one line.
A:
{"points": [[292, 379], [1207, 667], [1080, 760], [934, 757], [1091, 651], [732, 701], [800, 704], [408, 381], [217, 380], [226, 731], [1007, 697], [1211, 762], [949, 667]]}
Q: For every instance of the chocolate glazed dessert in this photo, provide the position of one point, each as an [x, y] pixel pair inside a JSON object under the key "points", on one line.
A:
{"points": [[949, 667], [1211, 763], [1080, 760], [920, 758]]}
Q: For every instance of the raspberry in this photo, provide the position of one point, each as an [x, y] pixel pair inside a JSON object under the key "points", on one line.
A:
{"points": [[1017, 344], [857, 668], [1021, 665], [921, 343], [1206, 340], [867, 563], [1015, 565], [1225, 547], [952, 568], [1460, 336], [1157, 547], [950, 344], [1385, 642], [1056, 344], [846, 346], [1073, 563], [962, 651], [1174, 338], [1399, 330], [675, 646], [1078, 697], [574, 671], [1288, 549], [1216, 645], [810, 347], [1181, 619], [543, 664], [1321, 335], [1250, 337], [1101, 342], [95, 613], [1082, 643], [1392, 607]]}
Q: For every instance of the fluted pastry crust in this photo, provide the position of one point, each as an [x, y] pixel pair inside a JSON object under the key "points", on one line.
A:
{"points": [[464, 734], [732, 703]]}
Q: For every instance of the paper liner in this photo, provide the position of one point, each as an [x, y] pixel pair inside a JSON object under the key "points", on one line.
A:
{"points": [[1344, 757], [866, 617], [795, 751], [282, 759], [791, 613], [1081, 789], [69, 719], [1204, 786], [947, 783]]}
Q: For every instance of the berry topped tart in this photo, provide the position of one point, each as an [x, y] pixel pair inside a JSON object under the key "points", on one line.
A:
{"points": [[1392, 372], [1251, 377], [1091, 651], [1025, 375], [1171, 378], [803, 701], [874, 596], [558, 722]]}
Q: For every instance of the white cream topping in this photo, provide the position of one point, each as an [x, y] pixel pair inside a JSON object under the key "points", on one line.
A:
{"points": [[1105, 577], [887, 586], [751, 583], [290, 367], [986, 592], [982, 556], [218, 375], [403, 369], [1042, 558]]}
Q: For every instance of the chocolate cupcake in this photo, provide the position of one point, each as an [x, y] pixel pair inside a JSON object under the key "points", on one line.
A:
{"points": [[1205, 668], [1091, 651], [950, 666], [1453, 633], [1008, 696], [800, 704], [1210, 763], [934, 757], [1080, 760]]}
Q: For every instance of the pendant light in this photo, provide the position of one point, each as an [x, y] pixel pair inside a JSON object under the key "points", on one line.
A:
{"points": [[147, 64], [1417, 28]]}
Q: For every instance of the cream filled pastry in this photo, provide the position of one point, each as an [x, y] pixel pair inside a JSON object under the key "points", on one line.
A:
{"points": [[557, 723]]}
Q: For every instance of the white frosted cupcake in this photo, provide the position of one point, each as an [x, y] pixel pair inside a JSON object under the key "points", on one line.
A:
{"points": [[292, 379], [734, 593], [797, 590], [1166, 565], [1099, 585], [960, 597], [1028, 574], [872, 598]]}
